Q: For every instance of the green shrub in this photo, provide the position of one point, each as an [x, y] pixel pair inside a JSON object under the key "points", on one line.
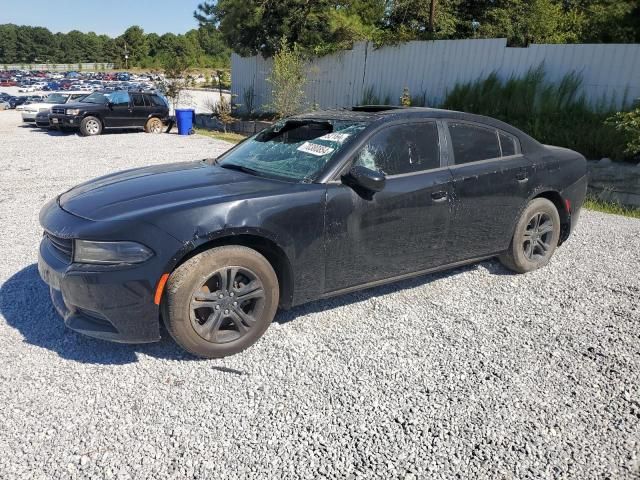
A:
{"points": [[552, 113], [287, 81], [628, 124]]}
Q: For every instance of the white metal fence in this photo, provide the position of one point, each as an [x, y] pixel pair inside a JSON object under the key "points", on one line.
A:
{"points": [[59, 67], [431, 68]]}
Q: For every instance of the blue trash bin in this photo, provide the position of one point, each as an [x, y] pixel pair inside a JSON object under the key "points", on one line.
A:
{"points": [[185, 118]]}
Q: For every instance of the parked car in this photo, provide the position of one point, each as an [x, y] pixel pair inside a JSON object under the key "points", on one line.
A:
{"points": [[42, 119], [314, 206], [112, 110], [30, 111], [4, 105], [15, 102], [27, 88]]}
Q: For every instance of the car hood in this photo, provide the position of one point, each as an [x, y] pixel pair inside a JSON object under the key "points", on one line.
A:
{"points": [[83, 105], [38, 106], [134, 193]]}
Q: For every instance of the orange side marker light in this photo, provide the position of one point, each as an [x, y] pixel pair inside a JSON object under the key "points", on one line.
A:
{"points": [[160, 288]]}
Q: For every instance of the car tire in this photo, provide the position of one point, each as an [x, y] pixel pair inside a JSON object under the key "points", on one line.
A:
{"points": [[535, 238], [221, 301], [153, 125], [90, 126]]}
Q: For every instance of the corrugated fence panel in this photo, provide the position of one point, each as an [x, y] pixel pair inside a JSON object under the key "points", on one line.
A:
{"points": [[430, 69]]}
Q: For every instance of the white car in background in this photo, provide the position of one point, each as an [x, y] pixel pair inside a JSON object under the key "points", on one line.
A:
{"points": [[27, 88], [30, 111]]}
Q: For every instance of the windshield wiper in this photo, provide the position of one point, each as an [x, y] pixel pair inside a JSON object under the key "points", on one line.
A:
{"points": [[240, 168]]}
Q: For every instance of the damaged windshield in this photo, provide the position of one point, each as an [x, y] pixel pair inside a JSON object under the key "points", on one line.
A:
{"points": [[292, 149]]}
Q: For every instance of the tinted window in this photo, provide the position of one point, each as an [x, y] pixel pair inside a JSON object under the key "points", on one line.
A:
{"points": [[402, 149], [471, 143], [508, 144], [157, 101], [138, 101], [120, 98]]}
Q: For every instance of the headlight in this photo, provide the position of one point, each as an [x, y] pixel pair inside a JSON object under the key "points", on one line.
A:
{"points": [[73, 111], [110, 252]]}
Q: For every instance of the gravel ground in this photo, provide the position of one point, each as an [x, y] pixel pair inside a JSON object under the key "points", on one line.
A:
{"points": [[474, 373]]}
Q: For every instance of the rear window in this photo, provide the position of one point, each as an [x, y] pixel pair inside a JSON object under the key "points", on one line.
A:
{"points": [[473, 143], [157, 101]]}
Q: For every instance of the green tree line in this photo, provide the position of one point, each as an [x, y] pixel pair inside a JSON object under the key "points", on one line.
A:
{"points": [[318, 27], [202, 47]]}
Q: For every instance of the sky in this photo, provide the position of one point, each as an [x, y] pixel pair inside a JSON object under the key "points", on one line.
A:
{"points": [[111, 17]]}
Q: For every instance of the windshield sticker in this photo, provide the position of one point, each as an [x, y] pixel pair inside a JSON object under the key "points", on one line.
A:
{"points": [[315, 149], [335, 137]]}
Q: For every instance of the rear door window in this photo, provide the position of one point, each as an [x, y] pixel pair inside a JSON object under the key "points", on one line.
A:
{"points": [[507, 144], [401, 149], [138, 100], [473, 143]]}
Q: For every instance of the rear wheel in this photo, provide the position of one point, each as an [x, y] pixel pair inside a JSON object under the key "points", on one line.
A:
{"points": [[221, 301], [535, 238], [153, 125], [90, 126]]}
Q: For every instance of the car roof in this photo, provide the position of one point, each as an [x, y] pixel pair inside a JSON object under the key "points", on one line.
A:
{"points": [[384, 114]]}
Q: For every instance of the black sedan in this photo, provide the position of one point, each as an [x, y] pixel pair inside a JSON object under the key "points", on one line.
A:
{"points": [[314, 206]]}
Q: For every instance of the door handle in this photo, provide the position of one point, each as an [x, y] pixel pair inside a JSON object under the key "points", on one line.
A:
{"points": [[439, 196]]}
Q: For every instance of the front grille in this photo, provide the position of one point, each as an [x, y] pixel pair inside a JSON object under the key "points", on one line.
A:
{"points": [[58, 110], [63, 247]]}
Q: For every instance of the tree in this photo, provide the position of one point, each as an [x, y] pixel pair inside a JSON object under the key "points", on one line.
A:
{"points": [[134, 42], [248, 27], [176, 80], [287, 81]]}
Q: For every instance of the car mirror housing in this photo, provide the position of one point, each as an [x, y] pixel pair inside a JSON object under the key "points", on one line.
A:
{"points": [[363, 177]]}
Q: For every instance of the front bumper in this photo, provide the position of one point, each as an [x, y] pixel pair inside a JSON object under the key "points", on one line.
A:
{"points": [[68, 121], [29, 117], [42, 121], [114, 303]]}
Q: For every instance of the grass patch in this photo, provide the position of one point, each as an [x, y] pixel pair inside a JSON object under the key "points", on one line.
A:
{"points": [[552, 113], [226, 137], [611, 207]]}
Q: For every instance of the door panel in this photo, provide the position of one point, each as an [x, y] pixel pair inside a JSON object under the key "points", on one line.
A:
{"points": [[119, 113], [141, 110], [489, 197], [401, 229]]}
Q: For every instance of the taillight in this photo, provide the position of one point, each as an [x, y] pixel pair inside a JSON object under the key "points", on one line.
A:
{"points": [[567, 204]]}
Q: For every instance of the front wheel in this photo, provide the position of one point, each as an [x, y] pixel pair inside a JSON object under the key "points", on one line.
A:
{"points": [[535, 238], [221, 301], [90, 126]]}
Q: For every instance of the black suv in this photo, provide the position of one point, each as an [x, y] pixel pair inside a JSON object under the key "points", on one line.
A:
{"points": [[112, 110]]}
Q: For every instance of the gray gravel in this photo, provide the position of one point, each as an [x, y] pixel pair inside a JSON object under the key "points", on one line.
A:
{"points": [[474, 373]]}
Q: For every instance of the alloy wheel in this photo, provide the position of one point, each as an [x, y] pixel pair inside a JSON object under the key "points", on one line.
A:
{"points": [[536, 239], [227, 305], [92, 127]]}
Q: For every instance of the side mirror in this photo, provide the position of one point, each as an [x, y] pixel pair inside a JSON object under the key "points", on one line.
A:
{"points": [[110, 105], [365, 178]]}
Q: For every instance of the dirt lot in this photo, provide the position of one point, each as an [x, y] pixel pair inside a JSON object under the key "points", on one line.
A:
{"points": [[474, 373]]}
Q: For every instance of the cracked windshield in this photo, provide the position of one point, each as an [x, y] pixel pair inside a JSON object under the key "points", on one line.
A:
{"points": [[293, 149]]}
